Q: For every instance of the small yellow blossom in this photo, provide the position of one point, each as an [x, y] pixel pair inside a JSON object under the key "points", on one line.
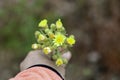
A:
{"points": [[59, 39], [35, 46], [43, 23], [59, 62], [47, 50], [41, 37], [59, 24], [71, 40]]}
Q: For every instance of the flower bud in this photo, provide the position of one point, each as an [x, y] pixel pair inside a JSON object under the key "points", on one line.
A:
{"points": [[52, 26], [54, 57], [47, 30], [65, 61], [59, 24], [43, 23], [41, 37], [37, 33], [51, 35], [35, 46], [47, 50]]}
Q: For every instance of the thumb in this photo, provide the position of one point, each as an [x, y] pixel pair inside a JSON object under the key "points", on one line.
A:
{"points": [[67, 55]]}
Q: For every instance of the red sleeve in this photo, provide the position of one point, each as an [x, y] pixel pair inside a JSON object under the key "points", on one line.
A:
{"points": [[37, 73]]}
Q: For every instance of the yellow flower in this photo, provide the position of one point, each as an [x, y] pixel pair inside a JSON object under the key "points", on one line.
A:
{"points": [[71, 40], [59, 24], [41, 37], [59, 62], [43, 23], [59, 39], [35, 46], [47, 50]]}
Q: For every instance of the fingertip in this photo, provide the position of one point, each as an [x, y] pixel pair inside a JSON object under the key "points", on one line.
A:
{"points": [[67, 55]]}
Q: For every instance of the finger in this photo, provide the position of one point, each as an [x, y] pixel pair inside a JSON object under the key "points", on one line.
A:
{"points": [[67, 55]]}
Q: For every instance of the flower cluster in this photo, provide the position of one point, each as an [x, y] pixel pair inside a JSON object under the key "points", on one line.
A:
{"points": [[53, 40]]}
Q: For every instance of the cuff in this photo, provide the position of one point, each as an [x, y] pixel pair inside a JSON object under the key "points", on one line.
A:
{"points": [[50, 68]]}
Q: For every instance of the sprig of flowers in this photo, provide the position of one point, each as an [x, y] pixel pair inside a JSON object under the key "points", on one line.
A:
{"points": [[53, 40]]}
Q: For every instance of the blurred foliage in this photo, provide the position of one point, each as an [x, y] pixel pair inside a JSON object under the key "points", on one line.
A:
{"points": [[19, 22]]}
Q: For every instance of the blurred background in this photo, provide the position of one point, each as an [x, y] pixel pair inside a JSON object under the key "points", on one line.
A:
{"points": [[95, 24]]}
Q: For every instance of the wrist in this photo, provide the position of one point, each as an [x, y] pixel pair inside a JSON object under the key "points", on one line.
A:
{"points": [[48, 67]]}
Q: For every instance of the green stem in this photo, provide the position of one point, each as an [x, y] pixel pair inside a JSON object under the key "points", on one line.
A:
{"points": [[58, 53]]}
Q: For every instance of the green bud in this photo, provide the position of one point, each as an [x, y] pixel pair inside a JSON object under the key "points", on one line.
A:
{"points": [[62, 30], [65, 61], [54, 57], [47, 30], [59, 24], [51, 35], [38, 40], [37, 34], [52, 26], [41, 37], [65, 46]]}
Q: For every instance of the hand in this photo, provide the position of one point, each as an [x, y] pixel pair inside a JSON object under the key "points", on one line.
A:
{"points": [[37, 57]]}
